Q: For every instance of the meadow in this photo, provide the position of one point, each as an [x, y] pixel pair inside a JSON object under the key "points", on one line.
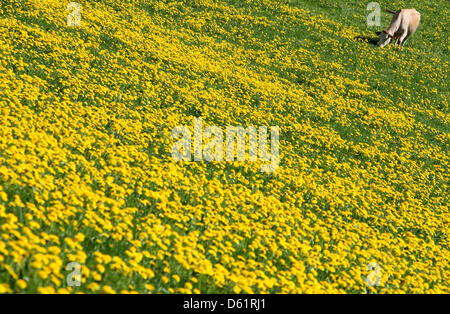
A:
{"points": [[87, 177]]}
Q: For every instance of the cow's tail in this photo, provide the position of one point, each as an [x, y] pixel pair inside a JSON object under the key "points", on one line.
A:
{"points": [[390, 11]]}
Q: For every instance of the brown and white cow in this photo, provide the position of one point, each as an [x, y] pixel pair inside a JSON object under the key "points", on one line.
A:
{"points": [[403, 25]]}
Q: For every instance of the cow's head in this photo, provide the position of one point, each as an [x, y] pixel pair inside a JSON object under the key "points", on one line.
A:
{"points": [[385, 38]]}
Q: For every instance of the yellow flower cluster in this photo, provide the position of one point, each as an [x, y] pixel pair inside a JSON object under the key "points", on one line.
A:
{"points": [[86, 175]]}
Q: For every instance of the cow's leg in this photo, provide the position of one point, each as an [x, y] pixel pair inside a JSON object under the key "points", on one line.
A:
{"points": [[402, 38], [396, 42]]}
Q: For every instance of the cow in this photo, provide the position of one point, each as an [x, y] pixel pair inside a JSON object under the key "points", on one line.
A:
{"points": [[403, 25]]}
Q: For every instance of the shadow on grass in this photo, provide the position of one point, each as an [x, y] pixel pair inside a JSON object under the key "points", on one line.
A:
{"points": [[367, 39]]}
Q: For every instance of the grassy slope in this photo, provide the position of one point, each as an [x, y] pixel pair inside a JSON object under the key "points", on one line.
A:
{"points": [[86, 142]]}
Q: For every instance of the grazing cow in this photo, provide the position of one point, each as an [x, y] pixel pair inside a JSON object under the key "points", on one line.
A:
{"points": [[403, 25]]}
